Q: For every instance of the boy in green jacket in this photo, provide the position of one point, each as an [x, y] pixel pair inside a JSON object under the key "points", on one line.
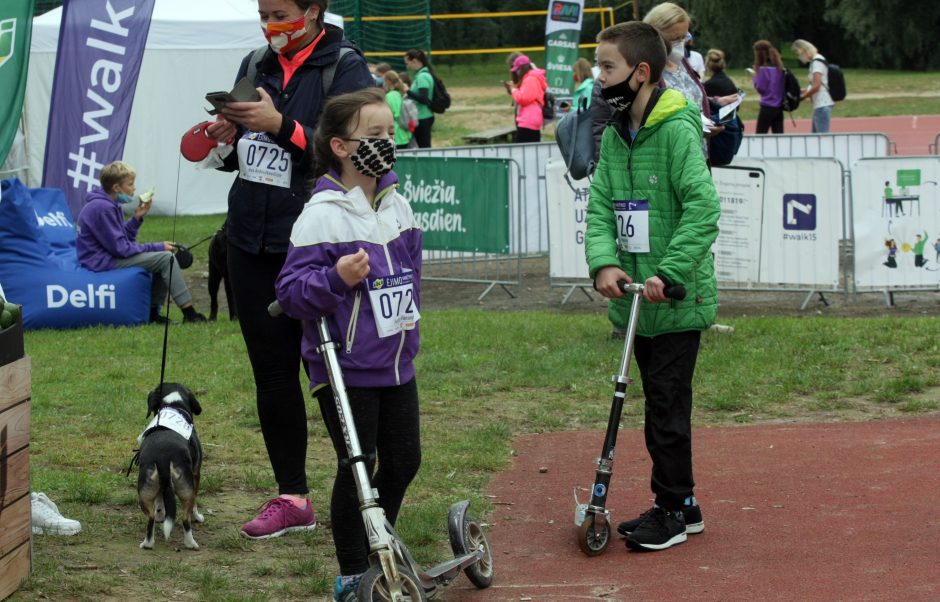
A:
{"points": [[652, 217]]}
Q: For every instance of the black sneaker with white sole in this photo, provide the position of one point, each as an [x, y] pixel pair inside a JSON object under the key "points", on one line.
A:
{"points": [[694, 523], [660, 529]]}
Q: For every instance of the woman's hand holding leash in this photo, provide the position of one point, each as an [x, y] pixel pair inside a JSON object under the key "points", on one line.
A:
{"points": [[222, 130]]}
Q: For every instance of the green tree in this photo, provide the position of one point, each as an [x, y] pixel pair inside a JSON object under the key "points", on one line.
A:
{"points": [[892, 34]]}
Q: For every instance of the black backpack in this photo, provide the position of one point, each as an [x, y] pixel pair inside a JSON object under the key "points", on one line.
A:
{"points": [[836, 80], [440, 99], [548, 106], [791, 91]]}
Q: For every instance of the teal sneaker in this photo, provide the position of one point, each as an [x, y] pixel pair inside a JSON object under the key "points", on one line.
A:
{"points": [[346, 592]]}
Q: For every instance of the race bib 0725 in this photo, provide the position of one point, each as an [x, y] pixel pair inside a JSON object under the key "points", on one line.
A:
{"points": [[261, 160]]}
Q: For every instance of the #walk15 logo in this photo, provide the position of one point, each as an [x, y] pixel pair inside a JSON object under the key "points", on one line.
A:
{"points": [[7, 39]]}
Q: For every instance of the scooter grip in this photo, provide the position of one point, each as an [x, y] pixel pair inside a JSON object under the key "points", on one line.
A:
{"points": [[676, 291]]}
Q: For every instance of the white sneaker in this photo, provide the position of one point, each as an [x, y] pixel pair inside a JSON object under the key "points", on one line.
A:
{"points": [[47, 519]]}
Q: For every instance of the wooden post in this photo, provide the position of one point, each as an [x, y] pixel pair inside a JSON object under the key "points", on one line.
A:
{"points": [[15, 518]]}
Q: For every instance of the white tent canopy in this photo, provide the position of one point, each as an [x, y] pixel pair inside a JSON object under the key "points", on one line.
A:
{"points": [[194, 47]]}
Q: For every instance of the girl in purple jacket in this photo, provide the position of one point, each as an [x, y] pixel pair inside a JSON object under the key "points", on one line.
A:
{"points": [[768, 81], [355, 256]]}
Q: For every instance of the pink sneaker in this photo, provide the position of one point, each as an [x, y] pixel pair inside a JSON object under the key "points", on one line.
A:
{"points": [[280, 516]]}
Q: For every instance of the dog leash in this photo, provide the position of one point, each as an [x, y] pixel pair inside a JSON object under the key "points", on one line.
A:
{"points": [[191, 247]]}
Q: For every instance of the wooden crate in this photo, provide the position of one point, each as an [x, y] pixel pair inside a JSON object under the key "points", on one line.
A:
{"points": [[15, 530]]}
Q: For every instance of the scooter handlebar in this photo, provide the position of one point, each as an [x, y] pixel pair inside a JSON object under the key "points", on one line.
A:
{"points": [[676, 291]]}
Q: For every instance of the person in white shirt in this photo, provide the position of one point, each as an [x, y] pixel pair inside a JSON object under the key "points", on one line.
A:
{"points": [[818, 88]]}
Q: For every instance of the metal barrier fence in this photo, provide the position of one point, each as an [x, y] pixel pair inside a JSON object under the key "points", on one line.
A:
{"points": [[532, 237], [530, 208], [847, 148], [491, 269]]}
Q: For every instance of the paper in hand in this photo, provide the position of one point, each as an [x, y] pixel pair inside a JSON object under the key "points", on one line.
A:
{"points": [[726, 110]]}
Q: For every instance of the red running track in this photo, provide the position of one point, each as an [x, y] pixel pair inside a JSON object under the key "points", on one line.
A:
{"points": [[835, 511]]}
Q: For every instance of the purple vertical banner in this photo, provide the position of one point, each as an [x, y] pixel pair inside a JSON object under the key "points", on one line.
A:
{"points": [[101, 45]]}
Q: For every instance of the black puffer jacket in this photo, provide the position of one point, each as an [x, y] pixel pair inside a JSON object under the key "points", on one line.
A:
{"points": [[260, 216]]}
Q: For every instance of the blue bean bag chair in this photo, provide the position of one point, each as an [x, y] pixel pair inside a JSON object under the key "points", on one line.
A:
{"points": [[39, 267]]}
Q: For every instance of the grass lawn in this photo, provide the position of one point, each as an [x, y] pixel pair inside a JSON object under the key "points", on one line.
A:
{"points": [[484, 377]]}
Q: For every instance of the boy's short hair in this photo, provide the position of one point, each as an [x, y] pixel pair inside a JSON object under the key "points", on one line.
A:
{"points": [[114, 173], [638, 42]]}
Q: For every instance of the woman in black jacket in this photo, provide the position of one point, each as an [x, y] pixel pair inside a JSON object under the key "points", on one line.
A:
{"points": [[273, 155]]}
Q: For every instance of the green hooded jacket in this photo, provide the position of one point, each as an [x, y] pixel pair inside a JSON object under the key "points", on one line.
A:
{"points": [[666, 167]]}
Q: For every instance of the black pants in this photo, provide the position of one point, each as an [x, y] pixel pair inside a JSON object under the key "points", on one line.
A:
{"points": [[527, 135], [667, 363], [388, 426], [422, 133], [770, 118], [274, 351]]}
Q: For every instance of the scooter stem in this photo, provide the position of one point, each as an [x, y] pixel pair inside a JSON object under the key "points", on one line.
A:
{"points": [[350, 435]]}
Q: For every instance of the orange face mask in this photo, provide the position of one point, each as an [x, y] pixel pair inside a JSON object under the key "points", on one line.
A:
{"points": [[285, 36]]}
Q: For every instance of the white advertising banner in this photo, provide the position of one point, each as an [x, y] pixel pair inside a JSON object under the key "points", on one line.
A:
{"points": [[567, 220], [897, 222], [781, 221]]}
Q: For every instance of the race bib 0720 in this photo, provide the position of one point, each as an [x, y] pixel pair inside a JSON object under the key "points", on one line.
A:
{"points": [[633, 225], [393, 303], [261, 160]]}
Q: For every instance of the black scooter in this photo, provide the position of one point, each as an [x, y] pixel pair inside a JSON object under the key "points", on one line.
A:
{"points": [[593, 519]]}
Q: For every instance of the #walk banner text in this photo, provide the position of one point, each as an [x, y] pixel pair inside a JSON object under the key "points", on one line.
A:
{"points": [[101, 45]]}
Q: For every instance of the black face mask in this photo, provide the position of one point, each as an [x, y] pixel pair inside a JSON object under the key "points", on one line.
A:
{"points": [[620, 96]]}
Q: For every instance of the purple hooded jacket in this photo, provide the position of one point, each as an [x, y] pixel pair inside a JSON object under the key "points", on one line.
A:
{"points": [[104, 236], [769, 84], [338, 221]]}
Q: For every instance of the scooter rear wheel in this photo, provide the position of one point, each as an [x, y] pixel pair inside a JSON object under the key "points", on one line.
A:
{"points": [[469, 539], [590, 541], [374, 588]]}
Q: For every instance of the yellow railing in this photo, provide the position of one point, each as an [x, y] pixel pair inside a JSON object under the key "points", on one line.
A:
{"points": [[606, 14]]}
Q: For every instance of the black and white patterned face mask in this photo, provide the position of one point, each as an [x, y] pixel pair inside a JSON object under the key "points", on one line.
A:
{"points": [[375, 157]]}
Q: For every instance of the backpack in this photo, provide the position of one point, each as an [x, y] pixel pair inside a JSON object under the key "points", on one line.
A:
{"points": [[836, 79], [723, 147], [329, 72], [575, 138], [548, 105], [791, 91], [440, 99], [408, 116]]}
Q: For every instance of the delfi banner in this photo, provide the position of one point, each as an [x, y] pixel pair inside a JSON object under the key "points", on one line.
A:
{"points": [[101, 46], [460, 204], [562, 34], [16, 24]]}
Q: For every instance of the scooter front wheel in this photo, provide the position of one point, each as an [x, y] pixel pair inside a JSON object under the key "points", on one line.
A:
{"points": [[591, 541], [374, 587], [470, 538]]}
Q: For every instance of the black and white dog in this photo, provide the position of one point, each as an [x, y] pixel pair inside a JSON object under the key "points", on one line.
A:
{"points": [[218, 274], [170, 462]]}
